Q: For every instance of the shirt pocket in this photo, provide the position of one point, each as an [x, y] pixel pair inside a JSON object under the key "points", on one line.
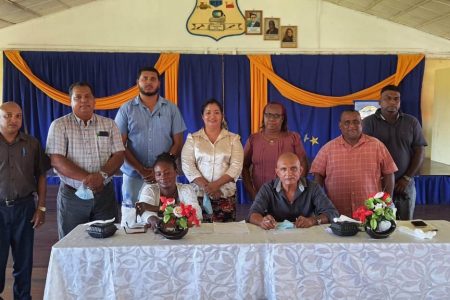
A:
{"points": [[104, 146]]}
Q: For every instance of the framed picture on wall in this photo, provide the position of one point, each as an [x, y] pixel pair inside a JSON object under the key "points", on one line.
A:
{"points": [[272, 29], [289, 37], [253, 21]]}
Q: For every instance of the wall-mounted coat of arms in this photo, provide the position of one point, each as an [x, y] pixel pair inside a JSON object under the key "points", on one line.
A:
{"points": [[216, 19]]}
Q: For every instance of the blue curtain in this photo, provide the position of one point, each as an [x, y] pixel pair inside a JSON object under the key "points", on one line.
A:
{"points": [[432, 190], [336, 75], [199, 79]]}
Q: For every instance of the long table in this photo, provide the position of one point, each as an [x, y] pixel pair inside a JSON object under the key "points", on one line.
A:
{"points": [[242, 261]]}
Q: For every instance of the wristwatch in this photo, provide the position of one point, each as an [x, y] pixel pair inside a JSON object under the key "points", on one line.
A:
{"points": [[407, 178], [42, 208], [104, 175]]}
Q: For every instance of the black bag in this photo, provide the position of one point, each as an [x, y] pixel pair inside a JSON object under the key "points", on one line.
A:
{"points": [[101, 230], [344, 228]]}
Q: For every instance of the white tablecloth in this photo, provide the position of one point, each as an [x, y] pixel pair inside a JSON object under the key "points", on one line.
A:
{"points": [[210, 263]]}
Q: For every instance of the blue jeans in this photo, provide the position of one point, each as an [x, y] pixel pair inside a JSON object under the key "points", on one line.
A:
{"points": [[17, 232], [406, 202], [131, 187]]}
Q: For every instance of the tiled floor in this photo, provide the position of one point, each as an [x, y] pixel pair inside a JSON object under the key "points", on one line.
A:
{"points": [[47, 235]]}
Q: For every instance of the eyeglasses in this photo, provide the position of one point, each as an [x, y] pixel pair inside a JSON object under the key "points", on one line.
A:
{"points": [[272, 116], [354, 123]]}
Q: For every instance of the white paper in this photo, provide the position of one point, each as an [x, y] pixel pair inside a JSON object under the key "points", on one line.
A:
{"points": [[99, 222]]}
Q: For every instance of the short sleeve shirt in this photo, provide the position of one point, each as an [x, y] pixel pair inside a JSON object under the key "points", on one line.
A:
{"points": [[21, 164], [400, 138], [149, 132], [88, 146], [352, 173]]}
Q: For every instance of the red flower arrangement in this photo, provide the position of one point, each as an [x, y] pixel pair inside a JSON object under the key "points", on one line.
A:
{"points": [[182, 215], [376, 209]]}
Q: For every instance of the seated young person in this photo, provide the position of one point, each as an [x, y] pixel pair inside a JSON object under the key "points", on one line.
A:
{"points": [[292, 198], [148, 203]]}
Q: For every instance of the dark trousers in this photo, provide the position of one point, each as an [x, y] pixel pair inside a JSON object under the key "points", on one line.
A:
{"points": [[73, 211], [406, 202], [17, 232]]}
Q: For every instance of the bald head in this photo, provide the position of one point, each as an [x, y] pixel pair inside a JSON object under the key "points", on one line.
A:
{"points": [[10, 120], [288, 156], [5, 105], [289, 169]]}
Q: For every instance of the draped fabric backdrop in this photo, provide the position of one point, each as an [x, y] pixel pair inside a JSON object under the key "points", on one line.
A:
{"points": [[200, 77]]}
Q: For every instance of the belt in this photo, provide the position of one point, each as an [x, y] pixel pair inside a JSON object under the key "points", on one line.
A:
{"points": [[69, 187], [12, 202]]}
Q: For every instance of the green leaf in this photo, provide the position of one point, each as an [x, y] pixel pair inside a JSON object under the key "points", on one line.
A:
{"points": [[183, 223], [166, 218], [373, 224], [169, 209]]}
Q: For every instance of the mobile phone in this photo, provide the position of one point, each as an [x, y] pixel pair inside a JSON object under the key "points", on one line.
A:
{"points": [[419, 223]]}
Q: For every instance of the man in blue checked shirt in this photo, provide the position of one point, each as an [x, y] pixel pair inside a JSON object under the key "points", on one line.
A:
{"points": [[150, 125]]}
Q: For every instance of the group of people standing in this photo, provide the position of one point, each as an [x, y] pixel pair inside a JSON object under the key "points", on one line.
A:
{"points": [[145, 141]]}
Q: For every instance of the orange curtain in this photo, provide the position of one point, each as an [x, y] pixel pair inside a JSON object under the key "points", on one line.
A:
{"points": [[167, 64], [261, 71]]}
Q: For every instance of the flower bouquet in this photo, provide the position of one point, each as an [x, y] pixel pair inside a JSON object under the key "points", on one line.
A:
{"points": [[378, 215], [176, 219]]}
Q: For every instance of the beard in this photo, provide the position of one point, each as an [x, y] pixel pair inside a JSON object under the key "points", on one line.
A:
{"points": [[143, 92]]}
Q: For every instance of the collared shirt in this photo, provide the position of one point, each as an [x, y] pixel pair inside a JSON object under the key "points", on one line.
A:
{"points": [[88, 146], [201, 158], [400, 138], [309, 200], [21, 164], [352, 173], [149, 132], [150, 193]]}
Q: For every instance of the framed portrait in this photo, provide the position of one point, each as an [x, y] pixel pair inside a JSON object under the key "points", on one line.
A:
{"points": [[366, 107], [253, 21], [289, 37], [272, 29]]}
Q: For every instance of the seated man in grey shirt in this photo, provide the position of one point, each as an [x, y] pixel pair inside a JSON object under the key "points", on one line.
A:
{"points": [[292, 198]]}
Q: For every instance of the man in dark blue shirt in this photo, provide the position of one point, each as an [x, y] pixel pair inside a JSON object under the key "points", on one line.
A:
{"points": [[402, 135], [292, 198]]}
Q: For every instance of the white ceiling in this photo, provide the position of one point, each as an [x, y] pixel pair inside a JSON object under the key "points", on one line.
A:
{"points": [[432, 16], [17, 11]]}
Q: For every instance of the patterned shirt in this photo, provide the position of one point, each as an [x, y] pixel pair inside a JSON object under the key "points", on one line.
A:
{"points": [[352, 173], [149, 132], [88, 146]]}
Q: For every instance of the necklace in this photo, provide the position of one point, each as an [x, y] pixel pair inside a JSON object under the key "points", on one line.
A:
{"points": [[271, 140]]}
